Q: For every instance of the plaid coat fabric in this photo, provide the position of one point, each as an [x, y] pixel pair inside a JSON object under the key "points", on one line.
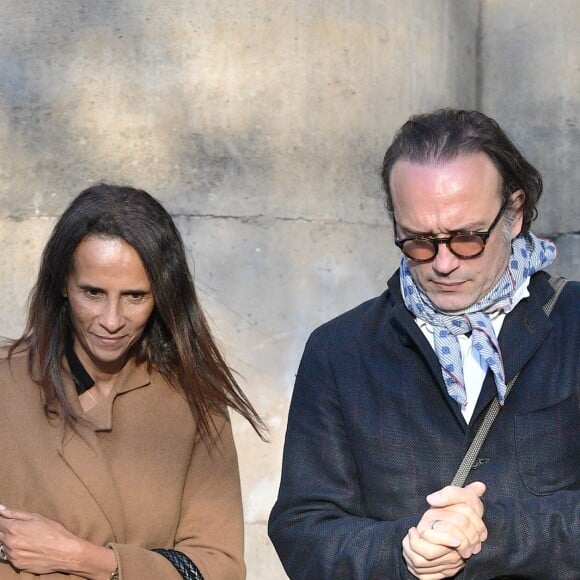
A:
{"points": [[372, 431]]}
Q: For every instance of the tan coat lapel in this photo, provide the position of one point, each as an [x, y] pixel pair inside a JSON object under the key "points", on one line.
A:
{"points": [[82, 452]]}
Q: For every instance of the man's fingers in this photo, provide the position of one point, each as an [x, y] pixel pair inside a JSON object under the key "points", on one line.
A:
{"points": [[452, 494], [441, 537], [478, 487], [448, 535], [465, 517], [426, 557], [462, 516], [447, 525]]}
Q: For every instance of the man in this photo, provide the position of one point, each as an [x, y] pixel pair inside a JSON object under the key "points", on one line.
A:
{"points": [[389, 396]]}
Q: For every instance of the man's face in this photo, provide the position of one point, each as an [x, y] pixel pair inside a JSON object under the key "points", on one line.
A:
{"points": [[461, 195]]}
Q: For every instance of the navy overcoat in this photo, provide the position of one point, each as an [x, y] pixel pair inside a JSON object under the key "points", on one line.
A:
{"points": [[372, 431]]}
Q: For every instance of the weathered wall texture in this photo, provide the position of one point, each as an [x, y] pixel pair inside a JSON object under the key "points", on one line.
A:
{"points": [[261, 125], [530, 82]]}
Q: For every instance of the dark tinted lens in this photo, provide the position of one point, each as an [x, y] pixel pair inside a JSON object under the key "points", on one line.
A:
{"points": [[420, 249], [466, 245]]}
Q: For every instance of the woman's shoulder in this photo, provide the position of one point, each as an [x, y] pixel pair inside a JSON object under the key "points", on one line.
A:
{"points": [[13, 356], [13, 366]]}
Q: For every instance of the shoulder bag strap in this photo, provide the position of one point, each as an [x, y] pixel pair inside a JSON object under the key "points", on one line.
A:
{"points": [[557, 283]]}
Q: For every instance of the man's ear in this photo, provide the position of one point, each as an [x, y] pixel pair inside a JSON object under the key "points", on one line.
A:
{"points": [[518, 199]]}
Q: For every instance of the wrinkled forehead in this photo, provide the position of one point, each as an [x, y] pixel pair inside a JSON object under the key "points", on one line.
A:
{"points": [[462, 194], [473, 173]]}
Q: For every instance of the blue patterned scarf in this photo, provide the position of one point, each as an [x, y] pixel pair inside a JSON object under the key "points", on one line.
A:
{"points": [[529, 254]]}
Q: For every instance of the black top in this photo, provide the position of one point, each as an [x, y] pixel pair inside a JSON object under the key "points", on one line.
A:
{"points": [[82, 379]]}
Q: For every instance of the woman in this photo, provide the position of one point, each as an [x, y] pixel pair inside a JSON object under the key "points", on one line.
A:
{"points": [[118, 459]]}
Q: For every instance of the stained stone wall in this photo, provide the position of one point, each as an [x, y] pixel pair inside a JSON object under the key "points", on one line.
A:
{"points": [[261, 126], [529, 80]]}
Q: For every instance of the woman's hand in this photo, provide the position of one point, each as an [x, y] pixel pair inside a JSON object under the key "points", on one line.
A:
{"points": [[39, 545]]}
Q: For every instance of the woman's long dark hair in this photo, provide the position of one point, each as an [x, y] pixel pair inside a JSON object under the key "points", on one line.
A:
{"points": [[177, 341]]}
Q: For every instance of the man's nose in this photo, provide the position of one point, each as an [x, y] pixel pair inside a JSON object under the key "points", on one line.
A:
{"points": [[445, 261], [111, 318]]}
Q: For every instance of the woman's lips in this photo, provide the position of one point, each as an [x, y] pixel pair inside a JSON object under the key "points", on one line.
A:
{"points": [[109, 341]]}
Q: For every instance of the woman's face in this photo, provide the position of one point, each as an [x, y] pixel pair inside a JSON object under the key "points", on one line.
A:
{"points": [[110, 300]]}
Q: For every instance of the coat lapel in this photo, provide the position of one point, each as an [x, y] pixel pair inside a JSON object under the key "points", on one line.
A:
{"points": [[411, 336], [522, 333], [409, 332], [82, 452]]}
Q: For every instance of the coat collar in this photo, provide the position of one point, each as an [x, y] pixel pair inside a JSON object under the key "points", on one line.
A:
{"points": [[132, 376]]}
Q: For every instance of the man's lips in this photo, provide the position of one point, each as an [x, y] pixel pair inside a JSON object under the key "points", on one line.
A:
{"points": [[447, 286]]}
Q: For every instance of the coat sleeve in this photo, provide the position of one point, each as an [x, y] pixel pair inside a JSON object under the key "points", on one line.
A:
{"points": [[318, 524], [536, 537], [210, 530]]}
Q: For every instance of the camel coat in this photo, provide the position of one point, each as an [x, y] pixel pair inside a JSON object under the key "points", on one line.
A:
{"points": [[140, 479]]}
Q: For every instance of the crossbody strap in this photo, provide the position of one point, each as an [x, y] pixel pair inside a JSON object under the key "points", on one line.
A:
{"points": [[557, 283]]}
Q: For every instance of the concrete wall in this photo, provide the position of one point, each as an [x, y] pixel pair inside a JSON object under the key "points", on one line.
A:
{"points": [[529, 80], [261, 125]]}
